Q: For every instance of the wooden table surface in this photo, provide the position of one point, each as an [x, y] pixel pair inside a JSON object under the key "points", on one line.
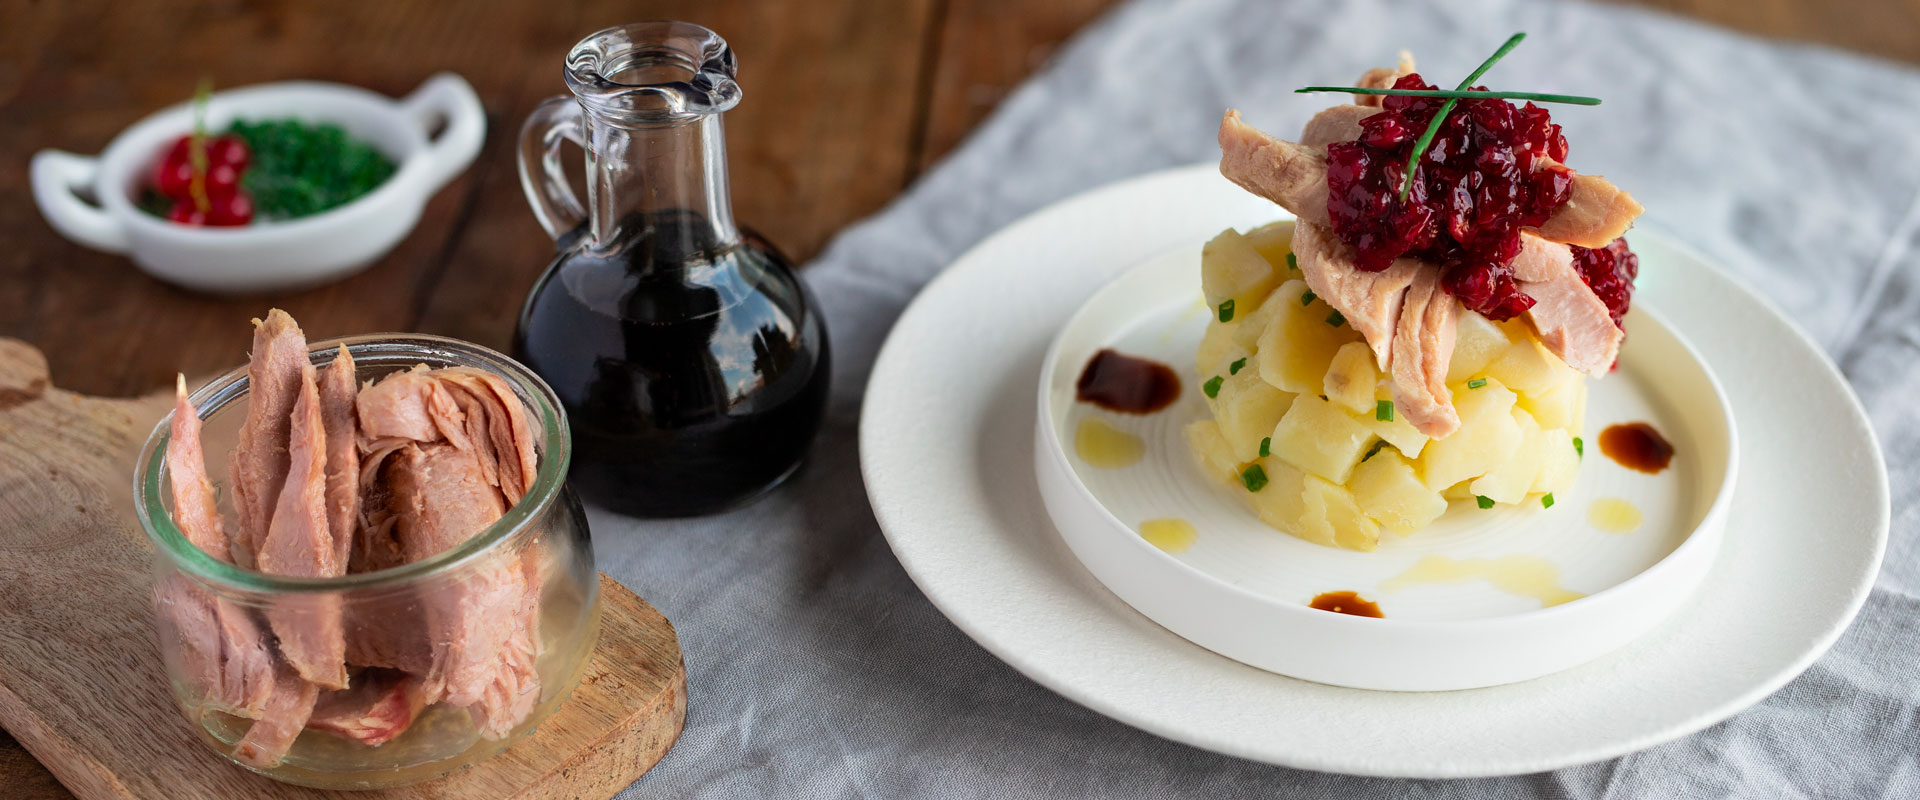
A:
{"points": [[846, 102]]}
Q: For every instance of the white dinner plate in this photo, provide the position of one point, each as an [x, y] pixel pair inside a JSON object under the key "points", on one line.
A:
{"points": [[946, 449], [1560, 591]]}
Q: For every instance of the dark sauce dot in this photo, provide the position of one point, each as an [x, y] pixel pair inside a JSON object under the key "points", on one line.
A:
{"points": [[1348, 603], [1118, 382], [1637, 446]]}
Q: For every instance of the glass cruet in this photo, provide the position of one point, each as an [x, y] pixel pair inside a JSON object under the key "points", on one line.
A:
{"points": [[692, 362]]}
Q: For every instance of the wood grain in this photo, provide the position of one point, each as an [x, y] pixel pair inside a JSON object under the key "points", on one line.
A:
{"points": [[818, 140], [983, 50], [81, 685]]}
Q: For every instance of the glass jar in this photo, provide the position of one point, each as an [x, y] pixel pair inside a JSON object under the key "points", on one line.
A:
{"points": [[689, 357], [208, 611]]}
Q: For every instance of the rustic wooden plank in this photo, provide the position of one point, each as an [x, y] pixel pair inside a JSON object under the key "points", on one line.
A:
{"points": [[985, 48], [819, 139], [82, 687], [1887, 28]]}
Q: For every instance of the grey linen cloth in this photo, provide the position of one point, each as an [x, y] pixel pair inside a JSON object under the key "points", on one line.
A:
{"points": [[817, 669]]}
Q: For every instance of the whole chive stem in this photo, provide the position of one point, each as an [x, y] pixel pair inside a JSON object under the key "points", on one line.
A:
{"points": [[1433, 128], [1462, 94]]}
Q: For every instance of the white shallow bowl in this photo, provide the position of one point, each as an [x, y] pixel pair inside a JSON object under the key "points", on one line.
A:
{"points": [[946, 450], [90, 199], [1242, 588]]}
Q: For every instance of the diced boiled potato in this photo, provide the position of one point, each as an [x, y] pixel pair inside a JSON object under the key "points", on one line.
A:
{"points": [[1459, 491], [1273, 241], [1390, 492], [1230, 269], [1559, 406], [1476, 342], [1397, 432], [1333, 517], [1560, 463], [1298, 344], [1247, 333], [1487, 436], [1513, 478], [1526, 366], [1320, 438], [1218, 349], [1247, 409], [1279, 503], [1351, 379], [1210, 451]]}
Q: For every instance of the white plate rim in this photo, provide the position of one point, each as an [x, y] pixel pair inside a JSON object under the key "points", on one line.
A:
{"points": [[892, 519]]}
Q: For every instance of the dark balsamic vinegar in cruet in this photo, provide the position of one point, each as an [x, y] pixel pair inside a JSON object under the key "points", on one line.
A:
{"points": [[691, 362]]}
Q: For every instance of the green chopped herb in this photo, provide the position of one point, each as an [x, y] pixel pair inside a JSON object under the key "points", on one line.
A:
{"points": [[1426, 138], [1546, 500], [1226, 310], [1293, 263], [300, 168], [1579, 447], [1336, 319], [1266, 447], [1371, 451], [1253, 477], [1476, 383], [1483, 500], [1383, 411], [1212, 386], [1234, 368], [1307, 298]]}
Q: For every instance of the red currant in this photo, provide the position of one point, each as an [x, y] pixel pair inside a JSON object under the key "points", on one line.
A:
{"points": [[186, 213], [173, 174], [230, 210], [222, 180], [230, 151]]}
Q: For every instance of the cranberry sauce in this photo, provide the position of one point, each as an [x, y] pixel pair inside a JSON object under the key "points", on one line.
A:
{"points": [[1476, 187], [1609, 272]]}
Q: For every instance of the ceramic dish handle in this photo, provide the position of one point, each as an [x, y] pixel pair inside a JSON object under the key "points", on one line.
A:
{"points": [[55, 176], [449, 97], [555, 120]]}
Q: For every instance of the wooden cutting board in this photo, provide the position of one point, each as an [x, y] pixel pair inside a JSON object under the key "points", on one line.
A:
{"points": [[81, 685]]}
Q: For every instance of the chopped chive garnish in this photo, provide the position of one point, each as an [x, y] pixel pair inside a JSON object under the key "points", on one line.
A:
{"points": [[1253, 477], [1476, 383], [1212, 386], [1234, 368], [1266, 447], [1579, 447], [1383, 411], [1546, 500], [1483, 500], [1336, 319], [1374, 450], [1464, 94], [1226, 310], [1307, 298], [1433, 128], [1293, 263]]}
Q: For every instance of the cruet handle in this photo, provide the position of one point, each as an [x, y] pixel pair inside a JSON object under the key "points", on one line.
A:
{"points": [[542, 175]]}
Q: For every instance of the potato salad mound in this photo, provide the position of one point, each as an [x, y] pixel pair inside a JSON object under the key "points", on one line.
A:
{"points": [[1304, 425]]}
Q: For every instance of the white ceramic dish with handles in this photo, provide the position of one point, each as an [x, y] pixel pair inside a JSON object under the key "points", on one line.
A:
{"points": [[1242, 588], [90, 199]]}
